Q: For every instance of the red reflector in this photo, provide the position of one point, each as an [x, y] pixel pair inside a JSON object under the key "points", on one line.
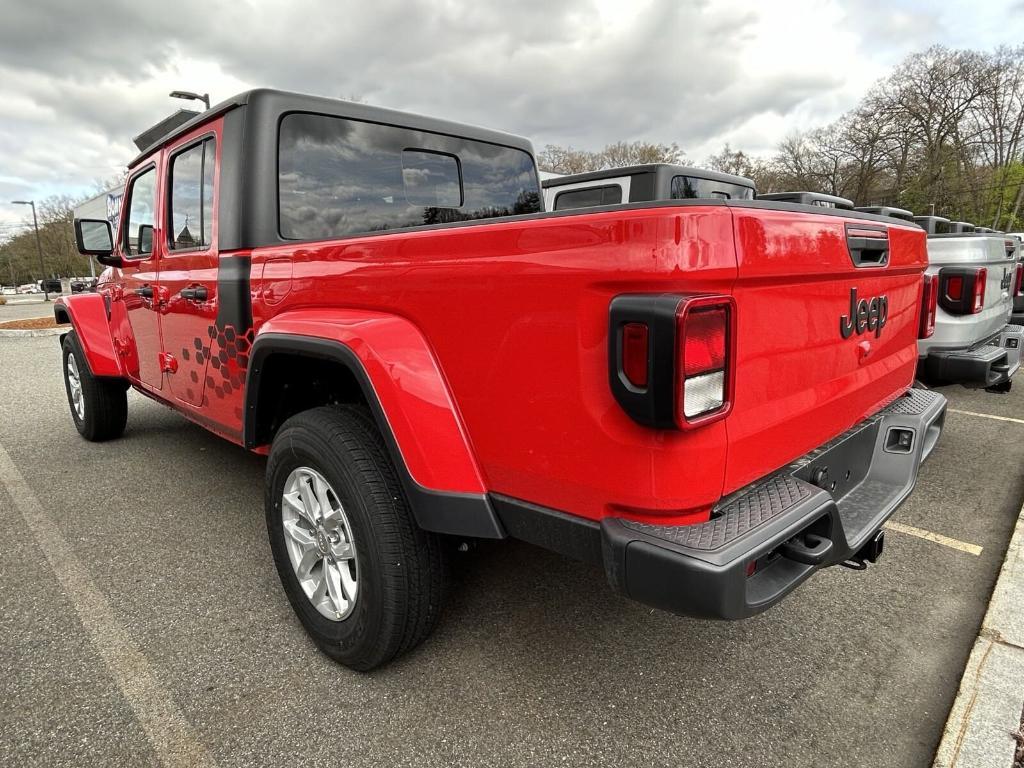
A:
{"points": [[929, 303], [954, 288], [704, 343], [1018, 289], [979, 290], [635, 353]]}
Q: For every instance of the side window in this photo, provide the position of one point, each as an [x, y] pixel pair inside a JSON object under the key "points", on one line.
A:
{"points": [[138, 227], [431, 179], [190, 208], [692, 187], [587, 197], [338, 176]]}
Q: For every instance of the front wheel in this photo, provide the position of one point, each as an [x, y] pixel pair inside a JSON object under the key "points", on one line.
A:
{"points": [[364, 580], [99, 406]]}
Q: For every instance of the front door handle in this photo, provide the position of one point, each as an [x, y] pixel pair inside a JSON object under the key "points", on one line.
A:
{"points": [[145, 292], [194, 293]]}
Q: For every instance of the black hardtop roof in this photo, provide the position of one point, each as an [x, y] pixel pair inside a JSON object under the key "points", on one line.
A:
{"points": [[629, 170], [808, 198], [926, 219], [887, 210], [273, 103]]}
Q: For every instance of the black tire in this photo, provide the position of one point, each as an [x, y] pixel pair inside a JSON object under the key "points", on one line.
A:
{"points": [[400, 568], [105, 400]]}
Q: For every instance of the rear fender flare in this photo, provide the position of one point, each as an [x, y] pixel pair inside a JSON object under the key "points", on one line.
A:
{"points": [[87, 314], [409, 398]]}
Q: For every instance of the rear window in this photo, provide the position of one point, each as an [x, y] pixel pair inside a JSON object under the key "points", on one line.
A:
{"points": [[692, 187], [587, 197], [338, 177]]}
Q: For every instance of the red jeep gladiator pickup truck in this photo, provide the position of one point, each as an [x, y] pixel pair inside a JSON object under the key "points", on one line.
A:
{"points": [[711, 398]]}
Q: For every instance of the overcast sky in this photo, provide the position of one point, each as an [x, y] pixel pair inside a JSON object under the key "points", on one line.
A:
{"points": [[79, 79]]}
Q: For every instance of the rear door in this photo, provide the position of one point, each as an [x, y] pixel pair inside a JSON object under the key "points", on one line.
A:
{"points": [[826, 329], [188, 271]]}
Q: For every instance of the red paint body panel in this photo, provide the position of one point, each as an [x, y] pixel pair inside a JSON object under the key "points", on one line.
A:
{"points": [[409, 385], [799, 383], [487, 347], [89, 319], [516, 316]]}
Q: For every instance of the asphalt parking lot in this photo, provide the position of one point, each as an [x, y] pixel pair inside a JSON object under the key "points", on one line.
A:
{"points": [[142, 622]]}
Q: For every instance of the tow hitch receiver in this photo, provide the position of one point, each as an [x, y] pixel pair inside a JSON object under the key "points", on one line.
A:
{"points": [[869, 553]]}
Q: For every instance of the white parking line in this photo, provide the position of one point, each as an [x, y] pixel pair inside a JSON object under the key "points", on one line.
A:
{"points": [[985, 415], [166, 727], [938, 538]]}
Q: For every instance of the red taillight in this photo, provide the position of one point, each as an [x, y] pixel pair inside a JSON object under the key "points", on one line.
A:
{"points": [[635, 353], [979, 291], [704, 360], [929, 302], [962, 291], [1018, 286], [704, 341], [955, 288]]}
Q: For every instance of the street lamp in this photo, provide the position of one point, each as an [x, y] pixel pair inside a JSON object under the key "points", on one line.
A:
{"points": [[39, 243], [188, 95]]}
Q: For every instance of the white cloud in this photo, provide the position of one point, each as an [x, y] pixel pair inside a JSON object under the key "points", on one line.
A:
{"points": [[78, 80]]}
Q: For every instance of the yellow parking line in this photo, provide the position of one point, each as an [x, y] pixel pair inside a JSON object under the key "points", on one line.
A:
{"points": [[937, 538], [985, 415]]}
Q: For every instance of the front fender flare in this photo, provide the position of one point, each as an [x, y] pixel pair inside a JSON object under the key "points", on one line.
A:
{"points": [[410, 401], [87, 314]]}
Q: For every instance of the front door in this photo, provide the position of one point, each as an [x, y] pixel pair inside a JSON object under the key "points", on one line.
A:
{"points": [[140, 277], [188, 270]]}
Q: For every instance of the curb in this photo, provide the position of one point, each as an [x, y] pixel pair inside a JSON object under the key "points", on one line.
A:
{"points": [[9, 333], [987, 709]]}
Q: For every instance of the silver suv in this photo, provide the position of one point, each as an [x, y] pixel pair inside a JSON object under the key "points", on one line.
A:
{"points": [[974, 279]]}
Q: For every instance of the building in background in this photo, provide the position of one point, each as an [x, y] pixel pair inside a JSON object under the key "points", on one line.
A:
{"points": [[105, 205]]}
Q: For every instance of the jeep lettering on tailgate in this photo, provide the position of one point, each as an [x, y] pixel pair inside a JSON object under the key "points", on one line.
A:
{"points": [[864, 315]]}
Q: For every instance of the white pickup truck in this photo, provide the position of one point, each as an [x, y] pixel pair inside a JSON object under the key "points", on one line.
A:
{"points": [[974, 280]]}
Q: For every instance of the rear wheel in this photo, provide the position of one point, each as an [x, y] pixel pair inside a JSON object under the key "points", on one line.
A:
{"points": [[99, 406], [364, 580]]}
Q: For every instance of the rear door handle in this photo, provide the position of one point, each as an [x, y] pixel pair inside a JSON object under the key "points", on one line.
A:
{"points": [[194, 293], [145, 292]]}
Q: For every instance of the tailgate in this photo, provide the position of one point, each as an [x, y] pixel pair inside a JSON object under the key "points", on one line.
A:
{"points": [[806, 371]]}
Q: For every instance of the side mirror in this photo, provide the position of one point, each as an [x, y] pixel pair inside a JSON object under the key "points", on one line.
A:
{"points": [[93, 237], [145, 238]]}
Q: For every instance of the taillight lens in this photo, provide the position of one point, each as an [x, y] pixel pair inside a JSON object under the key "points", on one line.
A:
{"points": [[929, 303], [962, 291], [1018, 286], [955, 288], [704, 360], [979, 291], [635, 353]]}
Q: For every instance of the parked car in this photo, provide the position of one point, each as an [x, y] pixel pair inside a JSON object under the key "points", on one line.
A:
{"points": [[810, 198], [642, 183], [974, 280], [1017, 318], [886, 210], [29, 288], [375, 301]]}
